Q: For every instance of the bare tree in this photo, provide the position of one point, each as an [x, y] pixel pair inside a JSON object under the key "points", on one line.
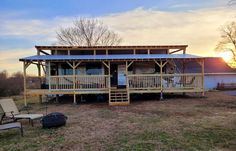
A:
{"points": [[11, 85], [87, 32], [228, 39]]}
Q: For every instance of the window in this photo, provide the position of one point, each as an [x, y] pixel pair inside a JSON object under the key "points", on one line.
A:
{"points": [[93, 69]]}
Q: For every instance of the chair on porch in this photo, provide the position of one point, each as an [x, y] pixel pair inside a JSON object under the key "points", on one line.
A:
{"points": [[184, 81], [11, 111], [12, 125]]}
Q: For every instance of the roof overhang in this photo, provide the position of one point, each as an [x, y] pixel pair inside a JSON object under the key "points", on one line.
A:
{"points": [[111, 47], [126, 57]]}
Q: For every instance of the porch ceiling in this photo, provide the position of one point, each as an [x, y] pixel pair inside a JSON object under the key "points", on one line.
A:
{"points": [[110, 57]]}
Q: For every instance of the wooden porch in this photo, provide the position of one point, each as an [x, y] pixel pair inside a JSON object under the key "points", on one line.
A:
{"points": [[136, 83], [159, 81]]}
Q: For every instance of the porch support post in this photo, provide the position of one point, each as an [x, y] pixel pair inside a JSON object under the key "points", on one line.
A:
{"points": [[161, 72], [127, 79], [74, 66], [49, 75], [109, 80], [40, 78], [183, 71], [43, 67], [161, 65], [24, 70], [39, 72], [203, 87], [25, 66], [74, 81]]}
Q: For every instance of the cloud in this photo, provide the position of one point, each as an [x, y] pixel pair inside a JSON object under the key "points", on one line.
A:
{"points": [[197, 28], [33, 29], [180, 5]]}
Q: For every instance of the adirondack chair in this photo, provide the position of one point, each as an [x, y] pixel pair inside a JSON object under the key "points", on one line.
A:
{"points": [[12, 125], [11, 111]]}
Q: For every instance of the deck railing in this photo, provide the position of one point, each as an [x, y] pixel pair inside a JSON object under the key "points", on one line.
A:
{"points": [[182, 81], [68, 82], [165, 81], [144, 81], [136, 82]]}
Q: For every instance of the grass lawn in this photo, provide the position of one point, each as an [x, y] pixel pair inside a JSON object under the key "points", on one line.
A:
{"points": [[189, 124]]}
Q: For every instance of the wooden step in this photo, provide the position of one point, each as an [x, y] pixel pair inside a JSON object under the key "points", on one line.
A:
{"points": [[118, 97], [119, 103]]}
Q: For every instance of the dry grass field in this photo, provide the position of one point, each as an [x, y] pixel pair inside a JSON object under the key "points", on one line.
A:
{"points": [[187, 123]]}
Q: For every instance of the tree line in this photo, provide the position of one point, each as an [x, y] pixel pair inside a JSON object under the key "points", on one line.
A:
{"points": [[11, 84]]}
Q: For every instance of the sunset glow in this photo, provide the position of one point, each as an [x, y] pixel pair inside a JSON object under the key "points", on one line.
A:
{"points": [[138, 23], [226, 55]]}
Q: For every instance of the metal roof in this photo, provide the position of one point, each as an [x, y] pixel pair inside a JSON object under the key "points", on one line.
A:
{"points": [[109, 57]]}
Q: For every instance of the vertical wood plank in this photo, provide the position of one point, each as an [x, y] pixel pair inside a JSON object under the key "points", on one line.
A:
{"points": [[24, 69], [49, 75], [203, 87]]}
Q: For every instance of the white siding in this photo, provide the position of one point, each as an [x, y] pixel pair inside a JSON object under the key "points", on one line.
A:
{"points": [[211, 80]]}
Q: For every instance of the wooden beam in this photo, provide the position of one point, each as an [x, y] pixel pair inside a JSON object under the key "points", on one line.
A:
{"points": [[27, 64], [24, 75], [184, 50], [44, 52], [107, 65], [106, 51], [74, 80], [176, 51], [78, 63], [161, 65], [127, 80], [160, 47], [161, 72], [49, 75], [40, 81], [157, 63], [164, 64], [69, 64], [109, 82], [130, 64], [94, 52], [38, 51], [203, 75], [44, 70]]}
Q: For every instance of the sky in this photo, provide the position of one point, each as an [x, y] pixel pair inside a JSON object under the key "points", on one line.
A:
{"points": [[26, 23]]}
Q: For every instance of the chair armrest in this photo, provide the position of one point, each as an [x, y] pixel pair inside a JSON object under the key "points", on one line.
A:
{"points": [[2, 116]]}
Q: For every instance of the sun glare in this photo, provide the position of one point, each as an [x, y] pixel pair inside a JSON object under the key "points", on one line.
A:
{"points": [[227, 56]]}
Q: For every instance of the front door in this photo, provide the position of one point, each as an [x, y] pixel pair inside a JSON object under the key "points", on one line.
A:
{"points": [[121, 75], [114, 68], [118, 77]]}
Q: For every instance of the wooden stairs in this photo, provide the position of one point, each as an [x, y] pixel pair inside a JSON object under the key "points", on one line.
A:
{"points": [[118, 96]]}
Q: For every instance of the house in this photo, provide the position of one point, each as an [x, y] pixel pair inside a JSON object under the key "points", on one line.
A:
{"points": [[217, 72], [116, 71]]}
